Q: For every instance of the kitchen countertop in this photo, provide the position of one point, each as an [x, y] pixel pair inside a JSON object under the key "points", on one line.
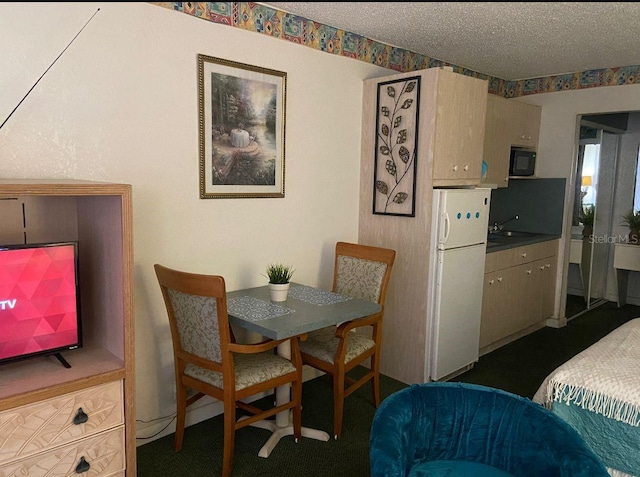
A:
{"points": [[496, 242]]}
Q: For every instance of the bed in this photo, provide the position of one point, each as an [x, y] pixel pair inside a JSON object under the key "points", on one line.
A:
{"points": [[598, 393]]}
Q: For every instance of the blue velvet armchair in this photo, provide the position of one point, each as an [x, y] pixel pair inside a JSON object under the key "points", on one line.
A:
{"points": [[459, 429]]}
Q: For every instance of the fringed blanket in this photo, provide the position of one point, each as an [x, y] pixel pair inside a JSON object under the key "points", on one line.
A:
{"points": [[604, 378], [598, 393]]}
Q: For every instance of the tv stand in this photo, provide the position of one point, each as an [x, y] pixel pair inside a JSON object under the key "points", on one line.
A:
{"points": [[64, 362], [40, 399]]}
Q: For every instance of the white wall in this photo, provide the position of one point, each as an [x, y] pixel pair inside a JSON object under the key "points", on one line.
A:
{"points": [[121, 106], [557, 152]]}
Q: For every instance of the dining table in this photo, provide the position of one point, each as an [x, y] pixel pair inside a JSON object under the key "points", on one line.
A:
{"points": [[306, 309]]}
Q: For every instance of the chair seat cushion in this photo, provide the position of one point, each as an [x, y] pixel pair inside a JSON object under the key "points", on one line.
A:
{"points": [[249, 369], [322, 344], [457, 468]]}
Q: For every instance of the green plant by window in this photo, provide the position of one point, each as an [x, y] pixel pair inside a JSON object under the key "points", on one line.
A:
{"points": [[632, 219], [279, 273], [588, 215]]}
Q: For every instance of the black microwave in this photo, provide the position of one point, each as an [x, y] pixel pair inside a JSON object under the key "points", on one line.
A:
{"points": [[523, 162]]}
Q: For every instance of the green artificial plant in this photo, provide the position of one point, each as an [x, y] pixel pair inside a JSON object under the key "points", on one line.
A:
{"points": [[279, 273]]}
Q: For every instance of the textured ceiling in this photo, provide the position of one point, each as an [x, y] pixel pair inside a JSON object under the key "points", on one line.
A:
{"points": [[511, 41]]}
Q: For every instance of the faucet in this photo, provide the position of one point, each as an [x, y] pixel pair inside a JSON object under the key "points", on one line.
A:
{"points": [[499, 226]]}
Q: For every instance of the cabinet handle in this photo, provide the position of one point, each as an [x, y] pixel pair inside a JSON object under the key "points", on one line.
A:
{"points": [[548, 265], [499, 279], [490, 282], [522, 136], [524, 254], [466, 167], [528, 272], [455, 168], [83, 466], [541, 267], [80, 417]]}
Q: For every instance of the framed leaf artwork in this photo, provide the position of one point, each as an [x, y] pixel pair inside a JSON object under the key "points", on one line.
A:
{"points": [[397, 114]]}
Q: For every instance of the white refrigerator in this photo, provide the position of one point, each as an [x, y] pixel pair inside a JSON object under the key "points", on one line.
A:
{"points": [[458, 241]]}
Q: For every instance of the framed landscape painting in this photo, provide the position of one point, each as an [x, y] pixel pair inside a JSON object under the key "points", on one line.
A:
{"points": [[241, 115]]}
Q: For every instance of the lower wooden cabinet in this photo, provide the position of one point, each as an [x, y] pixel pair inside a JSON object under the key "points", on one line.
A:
{"points": [[519, 290], [80, 433]]}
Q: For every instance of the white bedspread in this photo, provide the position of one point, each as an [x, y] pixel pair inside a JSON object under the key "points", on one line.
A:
{"points": [[604, 378]]}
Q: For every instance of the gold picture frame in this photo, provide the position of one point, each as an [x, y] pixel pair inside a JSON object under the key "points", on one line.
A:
{"points": [[241, 122]]}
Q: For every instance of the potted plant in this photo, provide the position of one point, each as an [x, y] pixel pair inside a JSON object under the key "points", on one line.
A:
{"points": [[588, 215], [632, 220], [279, 276]]}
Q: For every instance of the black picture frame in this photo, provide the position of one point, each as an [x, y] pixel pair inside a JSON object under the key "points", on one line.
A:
{"points": [[396, 151]]}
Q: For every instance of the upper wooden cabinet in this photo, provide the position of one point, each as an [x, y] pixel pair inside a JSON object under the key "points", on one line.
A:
{"points": [[508, 123], [460, 106], [443, 124], [525, 124], [497, 143]]}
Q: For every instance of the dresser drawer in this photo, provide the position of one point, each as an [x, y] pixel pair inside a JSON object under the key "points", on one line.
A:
{"points": [[34, 428], [103, 453]]}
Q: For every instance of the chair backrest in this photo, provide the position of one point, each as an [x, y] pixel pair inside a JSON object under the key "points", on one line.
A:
{"points": [[448, 421], [197, 309], [362, 271]]}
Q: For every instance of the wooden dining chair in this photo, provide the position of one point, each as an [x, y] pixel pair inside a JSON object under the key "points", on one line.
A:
{"points": [[210, 362], [360, 271]]}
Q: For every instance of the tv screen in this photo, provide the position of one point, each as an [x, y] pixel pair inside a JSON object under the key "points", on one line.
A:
{"points": [[39, 300]]}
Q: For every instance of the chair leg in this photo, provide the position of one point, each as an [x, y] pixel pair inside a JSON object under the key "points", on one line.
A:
{"points": [[297, 410], [375, 381], [229, 436], [181, 411], [338, 404]]}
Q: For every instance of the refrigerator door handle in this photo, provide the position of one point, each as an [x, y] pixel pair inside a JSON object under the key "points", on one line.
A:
{"points": [[447, 228]]}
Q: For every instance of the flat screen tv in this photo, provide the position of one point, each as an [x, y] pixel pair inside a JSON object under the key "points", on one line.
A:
{"points": [[39, 300]]}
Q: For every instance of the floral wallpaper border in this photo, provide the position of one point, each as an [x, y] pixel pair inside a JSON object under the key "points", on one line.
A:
{"points": [[251, 16]]}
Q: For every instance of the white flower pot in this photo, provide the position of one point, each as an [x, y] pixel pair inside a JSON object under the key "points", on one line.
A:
{"points": [[279, 291]]}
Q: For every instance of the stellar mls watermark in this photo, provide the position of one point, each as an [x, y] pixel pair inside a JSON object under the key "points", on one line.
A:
{"points": [[624, 239]]}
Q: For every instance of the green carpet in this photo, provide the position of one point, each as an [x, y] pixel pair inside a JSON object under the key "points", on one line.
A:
{"points": [[521, 366], [518, 367], [201, 453]]}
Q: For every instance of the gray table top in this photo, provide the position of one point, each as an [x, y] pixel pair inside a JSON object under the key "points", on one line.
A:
{"points": [[306, 309]]}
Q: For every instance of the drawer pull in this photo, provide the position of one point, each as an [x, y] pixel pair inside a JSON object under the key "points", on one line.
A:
{"points": [[490, 282], [83, 466], [499, 279], [524, 254], [80, 417]]}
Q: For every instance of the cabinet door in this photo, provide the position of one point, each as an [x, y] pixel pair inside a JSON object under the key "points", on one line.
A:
{"points": [[547, 268], [499, 306], [493, 307], [525, 124], [527, 290], [497, 146], [459, 129]]}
